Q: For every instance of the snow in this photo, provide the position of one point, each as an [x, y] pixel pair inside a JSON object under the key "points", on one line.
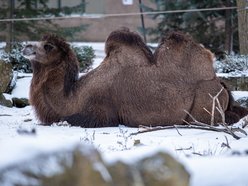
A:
{"points": [[205, 154], [233, 74], [218, 171], [239, 94], [20, 90]]}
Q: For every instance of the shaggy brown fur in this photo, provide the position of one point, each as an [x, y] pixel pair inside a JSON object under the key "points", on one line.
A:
{"points": [[93, 100], [129, 87], [50, 81], [180, 57]]}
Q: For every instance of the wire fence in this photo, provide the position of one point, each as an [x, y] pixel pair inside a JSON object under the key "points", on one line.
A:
{"points": [[97, 16]]}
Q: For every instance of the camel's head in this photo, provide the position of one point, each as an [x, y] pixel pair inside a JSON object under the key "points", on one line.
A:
{"points": [[50, 50], [53, 54]]}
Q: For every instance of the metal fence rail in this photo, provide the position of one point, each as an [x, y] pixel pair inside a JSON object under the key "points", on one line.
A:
{"points": [[97, 16]]}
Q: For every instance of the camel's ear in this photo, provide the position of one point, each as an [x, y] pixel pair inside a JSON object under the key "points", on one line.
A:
{"points": [[72, 70]]}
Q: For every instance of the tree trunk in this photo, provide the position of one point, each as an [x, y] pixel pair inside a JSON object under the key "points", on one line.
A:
{"points": [[9, 27], [243, 26], [228, 28]]}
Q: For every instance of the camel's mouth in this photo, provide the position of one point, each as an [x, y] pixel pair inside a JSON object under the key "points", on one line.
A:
{"points": [[29, 52]]}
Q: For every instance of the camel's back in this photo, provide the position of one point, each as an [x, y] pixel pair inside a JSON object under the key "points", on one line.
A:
{"points": [[143, 96]]}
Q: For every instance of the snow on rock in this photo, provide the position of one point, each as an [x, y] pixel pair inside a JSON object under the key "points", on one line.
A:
{"points": [[28, 147], [239, 94], [83, 165], [233, 74]]}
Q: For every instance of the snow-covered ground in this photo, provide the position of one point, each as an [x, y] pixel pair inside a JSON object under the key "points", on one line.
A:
{"points": [[212, 158]]}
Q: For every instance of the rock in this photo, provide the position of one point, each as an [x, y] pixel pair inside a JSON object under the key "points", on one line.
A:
{"points": [[80, 166], [4, 101], [20, 102], [12, 83], [236, 83], [123, 174], [83, 170], [162, 169], [6, 74], [84, 166], [243, 102]]}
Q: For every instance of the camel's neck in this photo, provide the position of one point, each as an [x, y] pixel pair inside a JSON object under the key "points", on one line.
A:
{"points": [[53, 89]]}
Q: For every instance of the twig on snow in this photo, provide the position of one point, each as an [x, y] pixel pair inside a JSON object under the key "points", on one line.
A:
{"points": [[192, 125], [211, 127], [182, 149], [177, 130], [5, 115], [226, 144]]}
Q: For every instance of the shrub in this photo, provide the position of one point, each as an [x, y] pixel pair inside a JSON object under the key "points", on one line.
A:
{"points": [[16, 58], [233, 63], [85, 55]]}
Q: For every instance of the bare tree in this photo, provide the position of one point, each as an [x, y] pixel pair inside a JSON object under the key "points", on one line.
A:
{"points": [[228, 28], [9, 25], [243, 26]]}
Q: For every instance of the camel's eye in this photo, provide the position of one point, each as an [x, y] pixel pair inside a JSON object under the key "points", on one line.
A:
{"points": [[48, 47]]}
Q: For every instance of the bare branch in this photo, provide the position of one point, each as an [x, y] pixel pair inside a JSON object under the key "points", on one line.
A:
{"points": [[213, 111], [186, 122], [226, 144], [207, 111], [194, 120], [221, 111], [177, 130], [182, 149], [213, 105], [192, 125], [190, 115], [5, 115]]}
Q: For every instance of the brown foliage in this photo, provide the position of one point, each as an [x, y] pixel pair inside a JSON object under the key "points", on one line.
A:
{"points": [[131, 86]]}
